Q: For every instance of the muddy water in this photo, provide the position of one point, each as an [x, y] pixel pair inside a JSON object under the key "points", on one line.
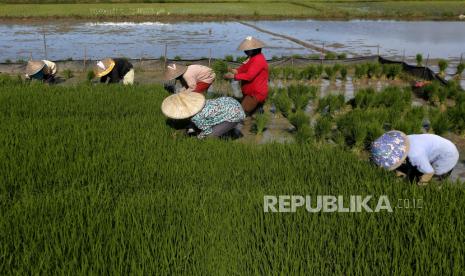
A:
{"points": [[194, 40]]}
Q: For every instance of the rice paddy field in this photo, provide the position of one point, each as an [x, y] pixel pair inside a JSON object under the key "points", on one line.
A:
{"points": [[219, 10], [94, 181]]}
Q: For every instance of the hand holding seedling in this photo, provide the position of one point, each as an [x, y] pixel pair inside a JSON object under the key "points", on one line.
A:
{"points": [[232, 70], [229, 76]]}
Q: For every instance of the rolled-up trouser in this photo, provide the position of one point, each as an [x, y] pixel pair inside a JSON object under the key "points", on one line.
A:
{"points": [[249, 104], [222, 128], [129, 77]]}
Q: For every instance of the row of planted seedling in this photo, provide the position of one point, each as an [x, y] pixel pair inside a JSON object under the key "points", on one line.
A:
{"points": [[337, 71], [356, 123]]}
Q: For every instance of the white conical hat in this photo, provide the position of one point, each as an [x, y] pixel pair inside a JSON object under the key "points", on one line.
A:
{"points": [[103, 67], [250, 43], [182, 105], [173, 71], [34, 66]]}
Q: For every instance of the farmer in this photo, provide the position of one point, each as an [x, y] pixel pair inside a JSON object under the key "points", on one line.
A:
{"points": [[42, 70], [253, 75], [114, 70], [193, 78], [419, 156], [213, 118]]}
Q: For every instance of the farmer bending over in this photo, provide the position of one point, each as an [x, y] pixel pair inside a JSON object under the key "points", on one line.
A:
{"points": [[253, 75], [193, 78], [114, 70], [419, 157], [42, 70], [213, 118]]}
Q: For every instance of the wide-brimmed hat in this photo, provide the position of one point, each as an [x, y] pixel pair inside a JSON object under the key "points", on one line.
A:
{"points": [[250, 43], [104, 67], [390, 150], [182, 105], [34, 66], [173, 71]]}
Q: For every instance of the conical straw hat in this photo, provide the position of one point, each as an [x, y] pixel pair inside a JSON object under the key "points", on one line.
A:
{"points": [[250, 43], [104, 67], [390, 150], [34, 66], [182, 105], [173, 71]]}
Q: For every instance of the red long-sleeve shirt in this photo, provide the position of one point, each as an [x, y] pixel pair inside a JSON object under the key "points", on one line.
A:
{"points": [[254, 77]]}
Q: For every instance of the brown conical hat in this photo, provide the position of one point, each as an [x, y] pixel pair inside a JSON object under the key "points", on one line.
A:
{"points": [[250, 43], [173, 71], [103, 67], [182, 105], [34, 66]]}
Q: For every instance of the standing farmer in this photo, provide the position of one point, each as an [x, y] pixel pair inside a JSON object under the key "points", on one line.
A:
{"points": [[213, 118], [419, 156], [114, 70], [253, 75], [42, 70], [193, 78]]}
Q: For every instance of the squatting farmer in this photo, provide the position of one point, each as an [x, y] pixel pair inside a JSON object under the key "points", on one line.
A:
{"points": [[213, 118], [253, 75], [193, 78], [419, 156], [43, 70], [114, 70]]}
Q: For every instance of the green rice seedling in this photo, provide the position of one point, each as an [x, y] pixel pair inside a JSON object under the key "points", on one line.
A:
{"points": [[392, 71], [220, 68], [374, 70], [419, 58], [68, 74], [289, 73], [331, 56], [241, 59], [343, 73], [365, 98], [440, 123], [330, 73], [341, 56], [456, 116], [282, 102], [274, 73], [460, 69], [90, 75], [360, 71], [7, 80], [261, 120], [442, 64], [319, 71], [301, 95], [337, 67], [299, 119], [304, 134], [323, 128], [229, 58], [330, 104]]}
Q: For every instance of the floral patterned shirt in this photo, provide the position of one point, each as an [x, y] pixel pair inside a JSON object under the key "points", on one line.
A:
{"points": [[217, 111]]}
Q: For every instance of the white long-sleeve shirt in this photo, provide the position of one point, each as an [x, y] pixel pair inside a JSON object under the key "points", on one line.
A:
{"points": [[431, 153]]}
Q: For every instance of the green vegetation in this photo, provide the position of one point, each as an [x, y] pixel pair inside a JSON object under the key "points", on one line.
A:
{"points": [[442, 64], [261, 120], [68, 74], [194, 10], [419, 58], [94, 181], [90, 75], [460, 69], [220, 67]]}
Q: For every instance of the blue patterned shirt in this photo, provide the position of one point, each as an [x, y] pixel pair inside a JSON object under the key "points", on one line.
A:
{"points": [[217, 111]]}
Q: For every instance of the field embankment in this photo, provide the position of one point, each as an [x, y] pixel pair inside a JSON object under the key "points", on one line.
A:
{"points": [[227, 10]]}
